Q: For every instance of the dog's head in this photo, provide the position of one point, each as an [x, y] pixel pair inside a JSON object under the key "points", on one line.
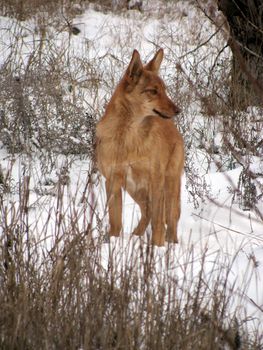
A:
{"points": [[145, 89]]}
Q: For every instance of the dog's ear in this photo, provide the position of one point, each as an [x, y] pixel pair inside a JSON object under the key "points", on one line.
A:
{"points": [[154, 64], [134, 70]]}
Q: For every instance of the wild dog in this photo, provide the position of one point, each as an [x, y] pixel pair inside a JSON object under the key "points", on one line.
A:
{"points": [[140, 150]]}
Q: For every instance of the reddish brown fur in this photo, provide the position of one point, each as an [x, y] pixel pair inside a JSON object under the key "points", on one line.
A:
{"points": [[139, 149]]}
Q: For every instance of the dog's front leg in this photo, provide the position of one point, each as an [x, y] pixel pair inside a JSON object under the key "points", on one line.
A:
{"points": [[114, 199]]}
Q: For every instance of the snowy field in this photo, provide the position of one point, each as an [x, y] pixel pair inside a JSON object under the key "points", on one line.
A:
{"points": [[216, 236]]}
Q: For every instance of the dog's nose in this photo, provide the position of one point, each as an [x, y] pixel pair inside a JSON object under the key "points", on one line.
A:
{"points": [[174, 107], [177, 110]]}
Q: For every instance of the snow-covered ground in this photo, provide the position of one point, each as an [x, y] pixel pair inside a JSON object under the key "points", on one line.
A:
{"points": [[219, 230]]}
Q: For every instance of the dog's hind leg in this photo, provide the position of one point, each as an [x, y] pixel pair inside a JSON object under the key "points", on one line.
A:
{"points": [[173, 194], [172, 207], [157, 211]]}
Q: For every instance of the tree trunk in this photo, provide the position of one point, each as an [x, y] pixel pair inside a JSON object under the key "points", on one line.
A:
{"points": [[245, 19]]}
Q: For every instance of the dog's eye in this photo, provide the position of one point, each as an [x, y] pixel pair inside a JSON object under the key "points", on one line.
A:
{"points": [[152, 91]]}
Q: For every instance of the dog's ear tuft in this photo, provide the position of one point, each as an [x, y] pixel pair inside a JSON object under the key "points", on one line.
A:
{"points": [[134, 70], [155, 63]]}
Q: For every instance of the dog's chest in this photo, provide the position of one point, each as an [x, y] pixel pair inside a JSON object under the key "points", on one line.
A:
{"points": [[135, 180], [130, 180]]}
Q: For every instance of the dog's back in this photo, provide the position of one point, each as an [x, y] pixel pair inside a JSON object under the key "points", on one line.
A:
{"points": [[140, 150]]}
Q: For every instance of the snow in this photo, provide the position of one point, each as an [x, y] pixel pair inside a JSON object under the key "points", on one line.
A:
{"points": [[219, 229]]}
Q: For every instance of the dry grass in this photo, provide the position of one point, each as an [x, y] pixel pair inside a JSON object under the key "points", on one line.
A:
{"points": [[63, 287], [63, 302]]}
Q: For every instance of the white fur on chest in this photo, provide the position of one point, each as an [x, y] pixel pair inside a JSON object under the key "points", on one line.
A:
{"points": [[131, 183]]}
